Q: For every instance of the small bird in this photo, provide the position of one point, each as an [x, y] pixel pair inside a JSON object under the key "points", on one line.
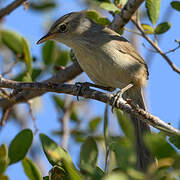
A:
{"points": [[110, 61]]}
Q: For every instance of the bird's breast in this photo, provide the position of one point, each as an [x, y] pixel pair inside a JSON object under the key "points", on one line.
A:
{"points": [[105, 65]]}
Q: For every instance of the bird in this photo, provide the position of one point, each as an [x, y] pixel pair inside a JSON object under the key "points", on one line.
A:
{"points": [[110, 61]]}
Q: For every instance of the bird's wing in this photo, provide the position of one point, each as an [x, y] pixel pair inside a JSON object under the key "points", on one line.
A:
{"points": [[124, 46]]}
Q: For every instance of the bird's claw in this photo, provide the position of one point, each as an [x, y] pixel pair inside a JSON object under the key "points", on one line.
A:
{"points": [[80, 87], [117, 96]]}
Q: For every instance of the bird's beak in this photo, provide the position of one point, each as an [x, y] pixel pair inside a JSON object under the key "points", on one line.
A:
{"points": [[46, 37]]}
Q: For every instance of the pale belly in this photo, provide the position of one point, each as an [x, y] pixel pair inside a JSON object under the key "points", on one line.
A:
{"points": [[106, 69]]}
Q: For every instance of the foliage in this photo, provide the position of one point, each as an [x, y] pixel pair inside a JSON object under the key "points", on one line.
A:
{"points": [[116, 150]]}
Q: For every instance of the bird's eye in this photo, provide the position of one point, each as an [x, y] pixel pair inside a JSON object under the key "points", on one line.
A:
{"points": [[63, 28]]}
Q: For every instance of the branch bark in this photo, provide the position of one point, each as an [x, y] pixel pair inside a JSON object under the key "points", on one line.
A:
{"points": [[125, 106], [73, 70], [65, 121], [121, 19], [62, 76], [9, 8], [156, 47]]}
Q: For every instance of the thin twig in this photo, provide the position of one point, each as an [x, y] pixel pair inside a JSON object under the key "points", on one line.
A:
{"points": [[130, 30], [65, 121], [4, 93], [5, 116], [125, 14], [33, 117], [155, 46], [72, 71], [92, 94], [9, 8], [174, 49], [61, 76], [149, 49], [11, 67]]}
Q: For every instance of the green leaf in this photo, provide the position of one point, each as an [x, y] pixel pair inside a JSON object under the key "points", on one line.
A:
{"points": [[124, 152], [93, 124], [3, 152], [13, 41], [109, 7], [27, 77], [102, 0], [42, 6], [62, 58], [89, 153], [3, 177], [98, 174], [3, 158], [48, 52], [20, 145], [54, 153], [90, 172], [159, 146], [103, 21], [46, 178], [35, 73], [116, 176], [175, 140], [59, 102], [94, 15], [57, 173], [147, 29], [106, 136], [126, 125], [162, 28], [134, 174], [74, 115], [153, 8], [31, 170], [72, 172], [120, 3], [27, 55], [121, 31], [176, 5], [106, 133]]}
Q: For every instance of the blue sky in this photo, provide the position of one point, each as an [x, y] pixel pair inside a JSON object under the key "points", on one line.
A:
{"points": [[163, 89]]}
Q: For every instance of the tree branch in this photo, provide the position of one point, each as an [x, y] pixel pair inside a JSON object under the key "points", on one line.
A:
{"points": [[62, 76], [9, 8], [125, 106], [121, 19], [65, 121], [155, 46], [73, 70]]}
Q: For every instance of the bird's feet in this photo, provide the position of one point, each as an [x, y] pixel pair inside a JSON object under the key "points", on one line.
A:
{"points": [[117, 96], [81, 87], [85, 85]]}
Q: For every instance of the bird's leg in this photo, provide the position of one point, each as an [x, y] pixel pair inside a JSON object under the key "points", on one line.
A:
{"points": [[119, 94], [86, 85]]}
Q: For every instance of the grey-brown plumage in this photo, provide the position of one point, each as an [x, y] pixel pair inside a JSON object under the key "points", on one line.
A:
{"points": [[109, 60]]}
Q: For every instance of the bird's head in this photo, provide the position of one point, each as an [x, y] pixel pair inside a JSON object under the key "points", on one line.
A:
{"points": [[70, 29]]}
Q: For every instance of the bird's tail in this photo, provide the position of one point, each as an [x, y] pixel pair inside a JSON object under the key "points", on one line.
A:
{"points": [[143, 155]]}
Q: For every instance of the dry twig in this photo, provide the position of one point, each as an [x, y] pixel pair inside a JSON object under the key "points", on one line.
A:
{"points": [[9, 8], [11, 67], [155, 46], [72, 71], [5, 116], [65, 121], [121, 19], [92, 94], [33, 117]]}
